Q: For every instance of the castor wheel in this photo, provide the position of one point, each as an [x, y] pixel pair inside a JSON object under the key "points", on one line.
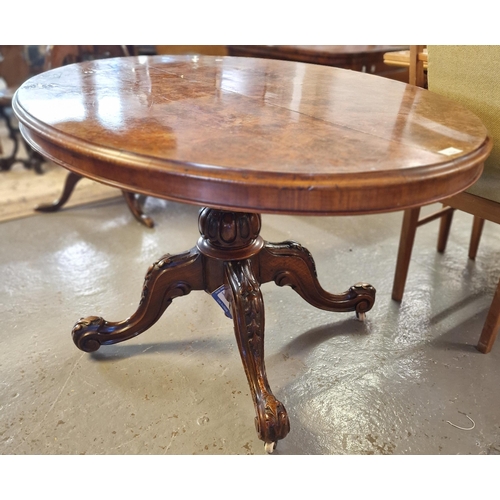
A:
{"points": [[361, 316], [270, 447]]}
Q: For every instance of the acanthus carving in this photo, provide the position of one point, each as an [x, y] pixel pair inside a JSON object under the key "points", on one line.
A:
{"points": [[166, 279], [84, 331], [152, 270], [272, 421], [363, 295], [290, 264]]}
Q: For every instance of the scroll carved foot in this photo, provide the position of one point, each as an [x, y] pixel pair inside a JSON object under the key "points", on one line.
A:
{"points": [[136, 209], [166, 279], [69, 185], [289, 263], [247, 305]]}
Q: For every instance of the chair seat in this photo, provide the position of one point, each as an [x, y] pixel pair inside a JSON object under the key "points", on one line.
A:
{"points": [[488, 185]]}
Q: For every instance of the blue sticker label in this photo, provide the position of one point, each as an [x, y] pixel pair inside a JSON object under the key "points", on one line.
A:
{"points": [[220, 297]]}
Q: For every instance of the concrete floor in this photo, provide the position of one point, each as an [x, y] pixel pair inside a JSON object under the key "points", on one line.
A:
{"points": [[386, 386]]}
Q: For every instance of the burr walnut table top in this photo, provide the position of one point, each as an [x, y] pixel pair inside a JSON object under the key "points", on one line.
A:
{"points": [[254, 135]]}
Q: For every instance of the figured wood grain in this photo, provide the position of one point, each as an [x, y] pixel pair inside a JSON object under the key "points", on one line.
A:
{"points": [[254, 135]]}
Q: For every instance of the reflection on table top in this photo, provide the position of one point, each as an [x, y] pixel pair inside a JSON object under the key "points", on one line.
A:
{"points": [[253, 134]]}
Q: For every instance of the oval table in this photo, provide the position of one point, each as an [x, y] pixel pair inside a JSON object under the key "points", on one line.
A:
{"points": [[241, 137]]}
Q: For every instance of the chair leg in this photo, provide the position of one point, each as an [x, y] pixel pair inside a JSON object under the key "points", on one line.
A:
{"points": [[408, 230], [477, 229], [444, 230], [491, 325]]}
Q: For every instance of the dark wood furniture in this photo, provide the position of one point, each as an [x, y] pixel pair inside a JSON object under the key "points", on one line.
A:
{"points": [[364, 58], [61, 55], [17, 64], [240, 137]]}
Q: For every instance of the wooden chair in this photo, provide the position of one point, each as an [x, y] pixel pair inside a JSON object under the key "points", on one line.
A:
{"points": [[415, 58], [59, 55], [469, 75]]}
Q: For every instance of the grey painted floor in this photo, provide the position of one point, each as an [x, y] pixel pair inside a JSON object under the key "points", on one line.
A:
{"points": [[389, 386]]}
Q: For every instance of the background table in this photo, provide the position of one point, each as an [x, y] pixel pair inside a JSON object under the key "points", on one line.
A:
{"points": [[364, 58], [240, 137]]}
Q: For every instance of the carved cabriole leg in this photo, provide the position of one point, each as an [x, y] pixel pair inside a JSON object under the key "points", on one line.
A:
{"points": [[71, 181], [170, 277], [136, 209], [289, 263], [248, 314], [232, 239]]}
